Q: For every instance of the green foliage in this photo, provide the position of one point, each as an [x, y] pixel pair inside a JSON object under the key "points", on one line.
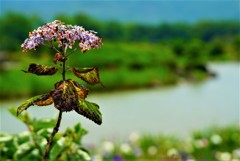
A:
{"points": [[122, 66], [89, 110], [212, 144], [30, 145]]}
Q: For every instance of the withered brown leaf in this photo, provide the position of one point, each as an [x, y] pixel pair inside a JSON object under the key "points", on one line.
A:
{"points": [[81, 90], [65, 96], [89, 75], [44, 100], [39, 69]]}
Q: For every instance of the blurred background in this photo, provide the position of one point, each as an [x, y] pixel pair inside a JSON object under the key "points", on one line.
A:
{"points": [[171, 68]]}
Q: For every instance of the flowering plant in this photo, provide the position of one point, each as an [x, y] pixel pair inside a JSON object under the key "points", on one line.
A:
{"points": [[65, 35], [68, 94]]}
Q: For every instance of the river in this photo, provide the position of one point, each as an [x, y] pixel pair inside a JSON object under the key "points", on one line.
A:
{"points": [[176, 110]]}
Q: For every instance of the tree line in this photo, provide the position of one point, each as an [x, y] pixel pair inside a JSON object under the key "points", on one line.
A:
{"points": [[15, 27]]}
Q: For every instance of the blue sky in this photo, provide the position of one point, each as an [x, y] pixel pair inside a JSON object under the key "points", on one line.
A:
{"points": [[130, 11]]}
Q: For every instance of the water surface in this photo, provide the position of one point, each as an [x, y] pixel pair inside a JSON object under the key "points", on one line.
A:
{"points": [[174, 110]]}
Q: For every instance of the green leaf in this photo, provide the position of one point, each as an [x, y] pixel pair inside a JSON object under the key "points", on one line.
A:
{"points": [[6, 138], [84, 154], [78, 129], [24, 137], [89, 110], [58, 148], [39, 124], [41, 69], [89, 75], [25, 118], [76, 133], [79, 132], [45, 132], [40, 100], [26, 105], [23, 150]]}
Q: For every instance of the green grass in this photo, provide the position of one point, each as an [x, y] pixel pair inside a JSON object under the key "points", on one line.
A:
{"points": [[121, 65]]}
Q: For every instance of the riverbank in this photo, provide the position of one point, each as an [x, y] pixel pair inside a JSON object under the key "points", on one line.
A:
{"points": [[122, 66]]}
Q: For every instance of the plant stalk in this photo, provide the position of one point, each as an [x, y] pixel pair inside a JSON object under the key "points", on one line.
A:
{"points": [[64, 69], [56, 128]]}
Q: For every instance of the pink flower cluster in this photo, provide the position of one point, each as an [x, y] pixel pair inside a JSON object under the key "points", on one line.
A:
{"points": [[64, 35]]}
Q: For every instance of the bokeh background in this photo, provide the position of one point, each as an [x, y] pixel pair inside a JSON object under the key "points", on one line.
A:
{"points": [[171, 68]]}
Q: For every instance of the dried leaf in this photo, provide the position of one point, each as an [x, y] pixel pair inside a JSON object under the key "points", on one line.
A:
{"points": [[59, 57], [40, 100], [81, 90], [41, 69], [65, 96], [89, 110], [89, 75], [45, 100]]}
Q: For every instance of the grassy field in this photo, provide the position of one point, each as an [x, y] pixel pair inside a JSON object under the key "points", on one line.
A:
{"points": [[121, 65]]}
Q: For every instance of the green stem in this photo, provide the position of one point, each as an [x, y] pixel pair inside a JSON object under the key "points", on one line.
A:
{"points": [[64, 69], [64, 63]]}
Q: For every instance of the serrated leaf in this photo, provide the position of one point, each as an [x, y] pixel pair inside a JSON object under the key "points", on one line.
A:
{"points": [[40, 100], [65, 96], [89, 110], [39, 69], [89, 75]]}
